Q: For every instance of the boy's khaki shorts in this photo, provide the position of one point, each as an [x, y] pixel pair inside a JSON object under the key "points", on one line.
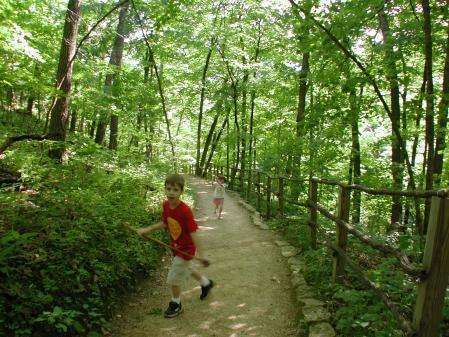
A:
{"points": [[180, 270]]}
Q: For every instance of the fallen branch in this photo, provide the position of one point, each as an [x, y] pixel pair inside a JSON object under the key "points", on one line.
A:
{"points": [[11, 140]]}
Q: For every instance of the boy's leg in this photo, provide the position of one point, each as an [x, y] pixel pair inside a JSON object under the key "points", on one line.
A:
{"points": [[175, 293], [177, 272], [206, 284]]}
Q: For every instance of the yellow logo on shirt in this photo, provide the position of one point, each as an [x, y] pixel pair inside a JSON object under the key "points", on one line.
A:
{"points": [[174, 228]]}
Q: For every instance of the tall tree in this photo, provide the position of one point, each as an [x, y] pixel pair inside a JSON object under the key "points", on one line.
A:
{"points": [[441, 131], [200, 113], [253, 105], [355, 161], [115, 62], [430, 132], [392, 77], [59, 113]]}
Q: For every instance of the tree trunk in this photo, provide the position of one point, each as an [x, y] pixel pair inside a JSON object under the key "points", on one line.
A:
{"points": [[442, 119], [30, 104], [252, 104], [227, 144], [202, 169], [115, 62], [59, 114], [148, 78], [236, 154], [164, 106], [251, 135], [396, 152], [243, 124], [200, 114], [81, 124], [73, 120], [113, 132], [148, 137], [300, 119], [215, 143], [161, 93], [355, 171], [237, 133], [429, 104], [93, 127], [118, 49]]}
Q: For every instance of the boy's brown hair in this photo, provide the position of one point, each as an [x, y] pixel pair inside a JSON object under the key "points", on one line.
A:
{"points": [[175, 179]]}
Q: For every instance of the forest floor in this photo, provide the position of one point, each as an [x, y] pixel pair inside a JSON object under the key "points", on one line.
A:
{"points": [[253, 295]]}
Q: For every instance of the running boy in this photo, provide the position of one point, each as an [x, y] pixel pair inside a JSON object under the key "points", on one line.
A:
{"points": [[177, 217], [219, 192]]}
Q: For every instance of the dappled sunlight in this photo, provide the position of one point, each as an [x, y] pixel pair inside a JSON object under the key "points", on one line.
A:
{"points": [[238, 326], [202, 192], [229, 312], [206, 228], [216, 304], [253, 328], [205, 325], [234, 317]]}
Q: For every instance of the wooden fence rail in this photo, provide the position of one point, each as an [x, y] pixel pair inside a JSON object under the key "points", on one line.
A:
{"points": [[432, 273]]}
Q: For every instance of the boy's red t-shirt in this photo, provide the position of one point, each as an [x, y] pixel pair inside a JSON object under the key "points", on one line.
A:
{"points": [[180, 223]]}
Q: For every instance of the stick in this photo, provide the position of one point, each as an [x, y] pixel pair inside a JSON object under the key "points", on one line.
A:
{"points": [[204, 262]]}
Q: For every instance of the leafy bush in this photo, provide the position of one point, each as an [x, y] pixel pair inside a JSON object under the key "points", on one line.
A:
{"points": [[64, 257]]}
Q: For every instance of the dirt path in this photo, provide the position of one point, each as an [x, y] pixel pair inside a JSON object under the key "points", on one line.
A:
{"points": [[252, 297]]}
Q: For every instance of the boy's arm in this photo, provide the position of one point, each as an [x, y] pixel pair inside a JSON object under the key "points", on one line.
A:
{"points": [[150, 229]]}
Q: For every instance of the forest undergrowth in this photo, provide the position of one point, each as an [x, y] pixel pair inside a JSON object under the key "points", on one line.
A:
{"points": [[355, 309], [65, 260]]}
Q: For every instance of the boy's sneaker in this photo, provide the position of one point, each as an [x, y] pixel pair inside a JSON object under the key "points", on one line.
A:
{"points": [[205, 290], [173, 310]]}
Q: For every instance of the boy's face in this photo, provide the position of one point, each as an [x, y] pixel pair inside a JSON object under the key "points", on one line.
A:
{"points": [[173, 191]]}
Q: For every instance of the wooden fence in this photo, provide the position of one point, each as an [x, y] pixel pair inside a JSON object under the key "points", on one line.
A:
{"points": [[431, 274]]}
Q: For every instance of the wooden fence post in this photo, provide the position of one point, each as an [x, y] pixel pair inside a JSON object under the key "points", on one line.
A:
{"points": [[313, 213], [431, 292], [338, 270], [268, 197], [281, 197], [258, 189]]}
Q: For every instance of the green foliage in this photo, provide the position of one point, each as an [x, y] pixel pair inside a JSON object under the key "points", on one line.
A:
{"points": [[65, 258], [81, 204]]}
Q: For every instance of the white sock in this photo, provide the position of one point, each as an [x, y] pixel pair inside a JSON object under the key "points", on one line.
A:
{"points": [[204, 281], [176, 300]]}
